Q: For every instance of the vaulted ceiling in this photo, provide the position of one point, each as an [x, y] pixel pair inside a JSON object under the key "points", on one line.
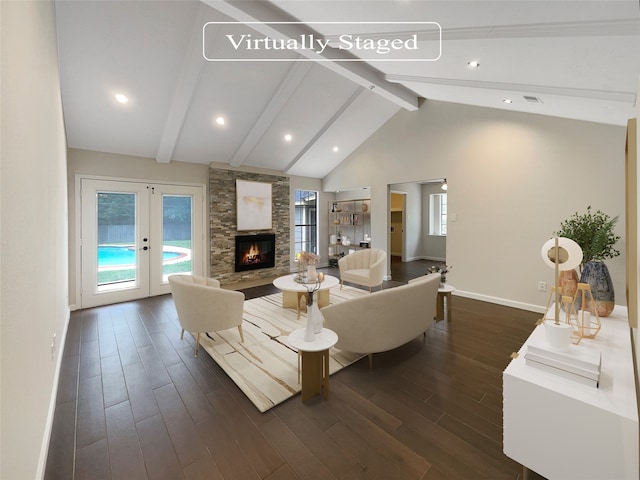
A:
{"points": [[185, 64]]}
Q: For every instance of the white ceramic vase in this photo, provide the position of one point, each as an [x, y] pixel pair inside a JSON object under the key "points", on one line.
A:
{"points": [[318, 320], [309, 331]]}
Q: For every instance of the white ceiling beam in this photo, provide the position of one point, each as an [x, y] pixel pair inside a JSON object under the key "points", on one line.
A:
{"points": [[359, 72], [294, 77], [360, 91], [188, 80], [609, 95]]}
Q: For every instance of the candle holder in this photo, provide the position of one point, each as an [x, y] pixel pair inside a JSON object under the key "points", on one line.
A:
{"points": [[586, 325]]}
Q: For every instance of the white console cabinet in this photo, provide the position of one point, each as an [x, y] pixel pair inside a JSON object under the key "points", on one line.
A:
{"points": [[563, 429]]}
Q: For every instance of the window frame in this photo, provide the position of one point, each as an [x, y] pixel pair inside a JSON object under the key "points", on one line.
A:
{"points": [[305, 232], [438, 214]]}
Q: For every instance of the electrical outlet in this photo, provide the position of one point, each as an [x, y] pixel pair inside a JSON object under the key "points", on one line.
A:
{"points": [[542, 286]]}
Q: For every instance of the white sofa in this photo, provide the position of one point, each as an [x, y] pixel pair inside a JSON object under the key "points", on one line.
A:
{"points": [[385, 319], [363, 267]]}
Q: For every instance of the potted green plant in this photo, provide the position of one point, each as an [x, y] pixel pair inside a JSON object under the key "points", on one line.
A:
{"points": [[594, 232]]}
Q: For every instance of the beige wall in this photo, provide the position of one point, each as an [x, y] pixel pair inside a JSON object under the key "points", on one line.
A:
{"points": [[512, 179], [33, 238]]}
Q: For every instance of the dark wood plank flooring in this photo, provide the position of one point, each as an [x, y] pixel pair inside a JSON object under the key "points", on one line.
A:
{"points": [[133, 403]]}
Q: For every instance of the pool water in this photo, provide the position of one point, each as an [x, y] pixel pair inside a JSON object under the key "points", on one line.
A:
{"points": [[112, 256]]}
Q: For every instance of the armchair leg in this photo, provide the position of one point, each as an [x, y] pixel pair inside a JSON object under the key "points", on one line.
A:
{"points": [[371, 361], [241, 334], [341, 283], [182, 334], [197, 344]]}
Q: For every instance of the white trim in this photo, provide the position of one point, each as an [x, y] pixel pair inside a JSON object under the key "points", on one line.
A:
{"points": [[48, 427], [500, 301]]}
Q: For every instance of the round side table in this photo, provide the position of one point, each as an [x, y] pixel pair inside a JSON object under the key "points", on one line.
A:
{"points": [[444, 291], [315, 360]]}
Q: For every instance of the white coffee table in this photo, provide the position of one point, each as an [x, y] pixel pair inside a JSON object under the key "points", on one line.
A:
{"points": [[293, 292], [315, 360]]}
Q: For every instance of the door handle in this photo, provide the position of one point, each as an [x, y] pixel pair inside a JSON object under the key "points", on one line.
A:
{"points": [[144, 248]]}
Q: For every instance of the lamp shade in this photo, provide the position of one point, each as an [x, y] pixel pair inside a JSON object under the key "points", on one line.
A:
{"points": [[568, 257]]}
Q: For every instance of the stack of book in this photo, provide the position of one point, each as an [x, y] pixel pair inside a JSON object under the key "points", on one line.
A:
{"points": [[578, 364]]}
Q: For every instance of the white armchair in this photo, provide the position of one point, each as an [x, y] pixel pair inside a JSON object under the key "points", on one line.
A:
{"points": [[203, 306], [363, 267]]}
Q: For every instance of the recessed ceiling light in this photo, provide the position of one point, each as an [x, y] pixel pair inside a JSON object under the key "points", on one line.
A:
{"points": [[473, 64], [507, 100], [220, 120], [335, 149], [121, 98], [288, 137]]}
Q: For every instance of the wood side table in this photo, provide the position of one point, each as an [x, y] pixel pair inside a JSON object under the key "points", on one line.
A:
{"points": [[315, 361], [444, 291]]}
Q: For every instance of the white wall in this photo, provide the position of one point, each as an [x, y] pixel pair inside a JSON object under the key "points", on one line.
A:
{"points": [[33, 238], [512, 179]]}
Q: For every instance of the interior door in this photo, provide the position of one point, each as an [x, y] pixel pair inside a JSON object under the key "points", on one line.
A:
{"points": [[134, 235]]}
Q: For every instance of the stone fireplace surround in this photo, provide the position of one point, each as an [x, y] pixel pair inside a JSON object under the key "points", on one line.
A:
{"points": [[222, 225]]}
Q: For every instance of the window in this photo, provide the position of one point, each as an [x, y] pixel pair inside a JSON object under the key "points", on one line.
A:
{"points": [[438, 214], [306, 221]]}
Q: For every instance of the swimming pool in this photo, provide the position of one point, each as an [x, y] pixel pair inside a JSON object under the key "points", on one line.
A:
{"points": [[110, 256]]}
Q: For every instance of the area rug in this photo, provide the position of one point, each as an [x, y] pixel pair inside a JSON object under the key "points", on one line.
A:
{"points": [[265, 366]]}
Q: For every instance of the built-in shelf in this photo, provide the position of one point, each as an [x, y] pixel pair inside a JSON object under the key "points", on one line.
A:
{"points": [[349, 227]]}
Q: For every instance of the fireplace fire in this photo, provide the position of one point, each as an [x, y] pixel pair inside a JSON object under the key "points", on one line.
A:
{"points": [[255, 251]]}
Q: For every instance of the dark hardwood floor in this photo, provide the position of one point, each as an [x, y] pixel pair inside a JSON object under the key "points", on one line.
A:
{"points": [[133, 403]]}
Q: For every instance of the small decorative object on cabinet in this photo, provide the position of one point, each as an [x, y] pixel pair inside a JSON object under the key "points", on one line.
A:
{"points": [[594, 232], [559, 253], [349, 227]]}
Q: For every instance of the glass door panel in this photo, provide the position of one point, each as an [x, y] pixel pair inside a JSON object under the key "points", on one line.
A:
{"points": [[179, 230], [116, 248], [114, 242], [176, 234]]}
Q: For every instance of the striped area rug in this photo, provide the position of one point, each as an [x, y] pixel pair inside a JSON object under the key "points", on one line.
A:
{"points": [[265, 366]]}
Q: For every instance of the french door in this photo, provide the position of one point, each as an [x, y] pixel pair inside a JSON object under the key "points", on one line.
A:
{"points": [[134, 235]]}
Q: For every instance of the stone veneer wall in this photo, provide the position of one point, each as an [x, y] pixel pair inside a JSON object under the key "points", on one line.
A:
{"points": [[223, 225]]}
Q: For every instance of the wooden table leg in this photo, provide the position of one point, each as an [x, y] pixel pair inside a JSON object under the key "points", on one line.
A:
{"points": [[315, 374], [440, 306], [325, 380]]}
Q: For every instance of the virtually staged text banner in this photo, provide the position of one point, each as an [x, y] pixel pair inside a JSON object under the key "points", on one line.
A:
{"points": [[287, 41]]}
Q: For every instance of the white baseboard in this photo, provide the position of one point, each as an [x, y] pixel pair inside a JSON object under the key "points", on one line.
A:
{"points": [[73, 307], [501, 301], [44, 449]]}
